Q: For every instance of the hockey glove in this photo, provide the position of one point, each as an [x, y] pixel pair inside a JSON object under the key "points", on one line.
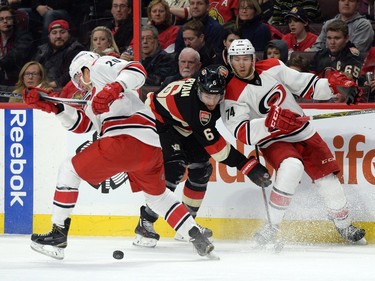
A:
{"points": [[283, 119], [103, 99], [256, 172], [341, 84], [31, 97]]}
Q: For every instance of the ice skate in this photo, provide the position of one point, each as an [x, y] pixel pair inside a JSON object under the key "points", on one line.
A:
{"points": [[146, 235], [204, 230], [353, 234], [201, 243], [53, 243], [268, 235]]}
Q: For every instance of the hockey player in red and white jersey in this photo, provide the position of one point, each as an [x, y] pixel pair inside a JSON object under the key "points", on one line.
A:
{"points": [[260, 109], [186, 112], [127, 142]]}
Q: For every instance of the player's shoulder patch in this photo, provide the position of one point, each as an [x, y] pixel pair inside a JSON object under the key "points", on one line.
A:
{"points": [[354, 51]]}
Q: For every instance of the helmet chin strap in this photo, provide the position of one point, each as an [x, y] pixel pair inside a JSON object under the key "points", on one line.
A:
{"points": [[88, 84]]}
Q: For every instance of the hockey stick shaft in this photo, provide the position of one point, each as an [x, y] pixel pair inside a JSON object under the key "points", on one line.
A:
{"points": [[337, 114], [265, 200], [45, 97]]}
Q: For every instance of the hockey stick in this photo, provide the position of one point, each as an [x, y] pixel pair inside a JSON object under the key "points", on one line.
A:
{"points": [[279, 244], [336, 114], [265, 200], [45, 97]]}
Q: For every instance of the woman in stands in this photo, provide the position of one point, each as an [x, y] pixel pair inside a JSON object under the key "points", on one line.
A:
{"points": [[250, 25], [32, 74], [103, 42], [159, 15]]}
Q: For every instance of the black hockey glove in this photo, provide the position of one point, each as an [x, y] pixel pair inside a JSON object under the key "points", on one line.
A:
{"points": [[256, 172], [352, 94]]}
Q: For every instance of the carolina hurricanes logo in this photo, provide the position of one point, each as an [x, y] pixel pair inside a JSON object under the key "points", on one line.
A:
{"points": [[275, 96], [204, 117]]}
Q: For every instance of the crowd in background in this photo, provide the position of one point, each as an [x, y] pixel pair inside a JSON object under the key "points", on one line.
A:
{"points": [[39, 39]]}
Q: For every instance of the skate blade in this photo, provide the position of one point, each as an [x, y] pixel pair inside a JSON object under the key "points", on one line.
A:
{"points": [[55, 252], [213, 256], [141, 241], [275, 247], [362, 242], [180, 238]]}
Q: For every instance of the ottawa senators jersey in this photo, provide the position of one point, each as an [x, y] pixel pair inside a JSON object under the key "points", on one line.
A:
{"points": [[178, 105], [247, 102]]}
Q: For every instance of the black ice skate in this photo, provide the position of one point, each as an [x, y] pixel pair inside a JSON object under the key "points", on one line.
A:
{"points": [[201, 243], [353, 234], [204, 230], [57, 238], [146, 235]]}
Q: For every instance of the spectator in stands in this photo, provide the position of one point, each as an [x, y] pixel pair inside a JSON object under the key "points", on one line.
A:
{"points": [[157, 62], [250, 25], [193, 35], [16, 46], [299, 63], [57, 54], [361, 33], [282, 7], [369, 67], [43, 12], [229, 35], [122, 23], [299, 38], [103, 42], [32, 74], [266, 7], [189, 65], [366, 8], [276, 49], [213, 31], [159, 15], [340, 53], [223, 11]]}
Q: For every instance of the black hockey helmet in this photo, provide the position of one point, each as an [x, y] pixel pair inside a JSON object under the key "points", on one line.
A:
{"points": [[212, 79]]}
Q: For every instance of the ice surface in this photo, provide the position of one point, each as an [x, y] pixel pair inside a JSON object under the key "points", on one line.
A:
{"points": [[90, 258]]}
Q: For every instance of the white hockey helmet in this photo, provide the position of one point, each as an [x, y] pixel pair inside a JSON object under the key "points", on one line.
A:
{"points": [[81, 60], [242, 47]]}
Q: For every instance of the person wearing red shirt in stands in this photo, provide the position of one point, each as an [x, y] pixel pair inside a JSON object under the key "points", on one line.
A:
{"points": [[299, 38]]}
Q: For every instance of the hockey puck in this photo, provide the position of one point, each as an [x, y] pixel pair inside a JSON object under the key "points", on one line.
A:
{"points": [[118, 255]]}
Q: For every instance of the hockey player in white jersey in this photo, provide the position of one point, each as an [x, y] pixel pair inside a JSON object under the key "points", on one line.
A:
{"points": [[127, 142], [260, 109]]}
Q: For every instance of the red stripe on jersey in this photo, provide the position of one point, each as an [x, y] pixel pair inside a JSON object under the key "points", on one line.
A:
{"points": [[234, 89], [66, 196], [280, 200], [243, 132], [172, 107], [177, 215], [83, 125], [218, 146], [137, 66], [192, 194], [264, 65], [135, 120]]}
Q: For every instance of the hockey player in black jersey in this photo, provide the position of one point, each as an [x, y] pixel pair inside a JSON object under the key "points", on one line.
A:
{"points": [[186, 113]]}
